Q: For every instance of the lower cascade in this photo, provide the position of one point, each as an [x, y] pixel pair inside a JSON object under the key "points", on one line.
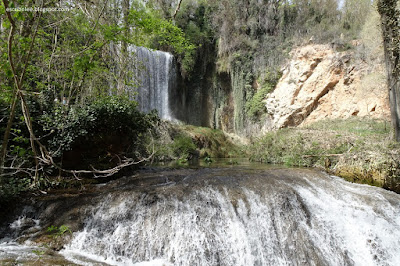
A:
{"points": [[155, 75], [234, 216]]}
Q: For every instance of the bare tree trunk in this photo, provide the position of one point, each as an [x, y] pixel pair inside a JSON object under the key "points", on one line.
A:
{"points": [[391, 42]]}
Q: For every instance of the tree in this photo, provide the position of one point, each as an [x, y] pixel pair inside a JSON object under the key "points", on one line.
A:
{"points": [[390, 15], [56, 62], [354, 14], [18, 74]]}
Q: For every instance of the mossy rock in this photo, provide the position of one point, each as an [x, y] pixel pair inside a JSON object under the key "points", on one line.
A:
{"points": [[356, 174]]}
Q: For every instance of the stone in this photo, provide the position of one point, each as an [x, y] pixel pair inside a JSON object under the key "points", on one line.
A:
{"points": [[320, 83]]}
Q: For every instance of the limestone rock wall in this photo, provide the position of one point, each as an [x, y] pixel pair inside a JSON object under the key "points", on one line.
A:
{"points": [[319, 83]]}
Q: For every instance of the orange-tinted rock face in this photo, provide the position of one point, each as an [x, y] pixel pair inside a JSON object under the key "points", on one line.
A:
{"points": [[319, 83]]}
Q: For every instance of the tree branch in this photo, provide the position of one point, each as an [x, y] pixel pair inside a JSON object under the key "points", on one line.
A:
{"points": [[177, 9]]}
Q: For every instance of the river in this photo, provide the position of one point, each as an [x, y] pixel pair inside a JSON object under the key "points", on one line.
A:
{"points": [[231, 215]]}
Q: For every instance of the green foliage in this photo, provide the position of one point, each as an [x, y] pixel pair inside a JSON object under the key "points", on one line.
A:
{"points": [[156, 32], [194, 18], [281, 148], [102, 120], [77, 58], [20, 152], [98, 134], [208, 159], [361, 127], [179, 147], [39, 252], [183, 147], [58, 231], [11, 188], [295, 148], [187, 142], [74, 61], [4, 110], [256, 106], [355, 12], [214, 143]]}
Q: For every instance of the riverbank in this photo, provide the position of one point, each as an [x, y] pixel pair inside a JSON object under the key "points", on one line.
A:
{"points": [[359, 150]]}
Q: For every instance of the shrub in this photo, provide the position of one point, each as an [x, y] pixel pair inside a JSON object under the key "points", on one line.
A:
{"points": [[58, 231], [183, 147], [10, 188], [256, 106], [98, 132]]}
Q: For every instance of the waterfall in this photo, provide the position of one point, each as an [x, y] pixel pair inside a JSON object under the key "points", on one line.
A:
{"points": [[155, 75], [222, 217]]}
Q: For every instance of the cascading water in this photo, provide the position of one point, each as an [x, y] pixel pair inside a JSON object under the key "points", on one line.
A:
{"points": [[224, 217], [237, 216], [155, 74]]}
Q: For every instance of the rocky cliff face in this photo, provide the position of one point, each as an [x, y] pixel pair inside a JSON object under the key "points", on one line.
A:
{"points": [[319, 83]]}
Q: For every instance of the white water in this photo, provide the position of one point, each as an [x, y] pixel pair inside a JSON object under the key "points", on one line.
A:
{"points": [[155, 74], [232, 218]]}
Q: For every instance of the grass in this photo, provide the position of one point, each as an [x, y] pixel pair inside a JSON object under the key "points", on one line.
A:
{"points": [[214, 142], [357, 126], [184, 142], [359, 150]]}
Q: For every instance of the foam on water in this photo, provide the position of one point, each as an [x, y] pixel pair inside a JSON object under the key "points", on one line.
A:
{"points": [[305, 221], [359, 218], [17, 252]]}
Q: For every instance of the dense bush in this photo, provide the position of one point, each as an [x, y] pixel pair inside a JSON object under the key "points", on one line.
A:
{"points": [[256, 107], [183, 147], [108, 127], [296, 148], [18, 143], [98, 134]]}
